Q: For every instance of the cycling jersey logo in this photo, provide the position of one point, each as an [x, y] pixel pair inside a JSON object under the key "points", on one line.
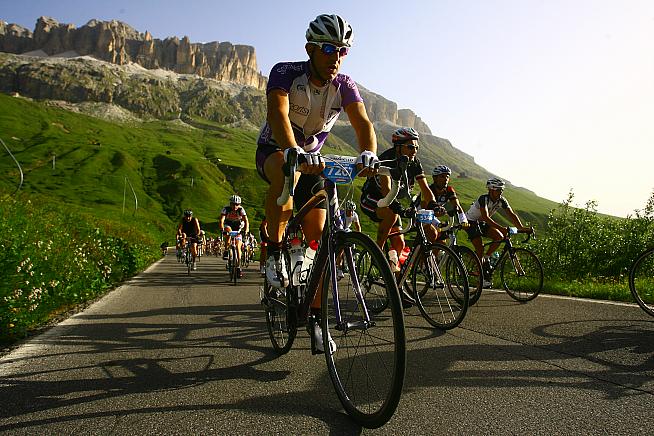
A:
{"points": [[301, 88], [299, 109]]}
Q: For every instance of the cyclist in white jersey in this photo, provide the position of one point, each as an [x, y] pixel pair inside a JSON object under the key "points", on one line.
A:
{"points": [[350, 217], [481, 224], [233, 217]]}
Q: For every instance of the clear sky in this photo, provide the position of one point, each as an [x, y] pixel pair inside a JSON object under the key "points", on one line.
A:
{"points": [[552, 95]]}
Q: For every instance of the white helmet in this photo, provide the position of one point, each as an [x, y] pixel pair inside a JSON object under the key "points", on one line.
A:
{"points": [[350, 205], [235, 199], [441, 169], [330, 28], [495, 183]]}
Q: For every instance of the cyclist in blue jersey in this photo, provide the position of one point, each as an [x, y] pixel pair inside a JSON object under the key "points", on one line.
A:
{"points": [[481, 224], [304, 100]]}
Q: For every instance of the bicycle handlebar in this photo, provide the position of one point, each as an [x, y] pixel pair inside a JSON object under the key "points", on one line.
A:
{"points": [[293, 159]]}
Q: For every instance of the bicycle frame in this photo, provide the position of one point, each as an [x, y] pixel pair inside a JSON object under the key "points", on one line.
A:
{"points": [[325, 253], [507, 250]]}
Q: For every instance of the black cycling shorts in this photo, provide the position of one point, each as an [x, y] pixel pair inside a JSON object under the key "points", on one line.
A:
{"points": [[477, 229]]}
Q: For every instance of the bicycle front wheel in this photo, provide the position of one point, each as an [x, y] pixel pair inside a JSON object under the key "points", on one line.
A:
{"points": [[440, 286], [521, 274], [233, 270], [641, 281], [366, 358]]}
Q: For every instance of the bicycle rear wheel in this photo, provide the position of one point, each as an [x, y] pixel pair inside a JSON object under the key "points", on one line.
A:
{"points": [[521, 274], [641, 281], [474, 270], [368, 363], [440, 286]]}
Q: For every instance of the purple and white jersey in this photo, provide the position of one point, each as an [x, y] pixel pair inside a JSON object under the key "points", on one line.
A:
{"points": [[312, 110]]}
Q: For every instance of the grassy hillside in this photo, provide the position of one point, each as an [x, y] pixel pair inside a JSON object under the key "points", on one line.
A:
{"points": [[170, 165]]}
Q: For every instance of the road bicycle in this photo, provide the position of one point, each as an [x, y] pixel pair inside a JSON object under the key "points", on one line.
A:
{"points": [[521, 272], [365, 351], [232, 264], [188, 255], [472, 263], [641, 280], [438, 278]]}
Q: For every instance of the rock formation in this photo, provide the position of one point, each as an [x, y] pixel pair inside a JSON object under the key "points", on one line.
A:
{"points": [[118, 43]]}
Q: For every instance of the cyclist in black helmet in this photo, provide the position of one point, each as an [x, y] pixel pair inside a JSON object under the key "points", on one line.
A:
{"points": [[189, 229]]}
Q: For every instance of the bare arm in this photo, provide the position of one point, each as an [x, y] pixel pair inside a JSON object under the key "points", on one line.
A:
{"points": [[278, 109], [427, 195], [514, 219], [491, 222], [197, 227], [247, 224]]}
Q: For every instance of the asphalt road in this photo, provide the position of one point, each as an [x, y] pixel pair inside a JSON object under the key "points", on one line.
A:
{"points": [[171, 354]]}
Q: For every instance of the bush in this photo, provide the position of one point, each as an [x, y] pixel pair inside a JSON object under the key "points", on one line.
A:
{"points": [[581, 244], [53, 259]]}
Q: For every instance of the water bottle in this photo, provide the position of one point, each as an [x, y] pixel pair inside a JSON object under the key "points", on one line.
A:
{"points": [[404, 254], [297, 259], [394, 260], [309, 256]]}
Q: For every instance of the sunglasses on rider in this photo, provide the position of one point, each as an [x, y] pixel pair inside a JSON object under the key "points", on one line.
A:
{"points": [[329, 49], [412, 146]]}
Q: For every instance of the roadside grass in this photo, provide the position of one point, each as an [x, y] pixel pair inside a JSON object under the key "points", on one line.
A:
{"points": [[83, 203], [54, 258], [600, 289]]}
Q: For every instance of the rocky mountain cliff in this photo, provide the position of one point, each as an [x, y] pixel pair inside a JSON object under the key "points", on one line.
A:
{"points": [[118, 43]]}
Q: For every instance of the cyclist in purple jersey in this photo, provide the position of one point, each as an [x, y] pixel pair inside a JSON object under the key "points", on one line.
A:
{"points": [[304, 101]]}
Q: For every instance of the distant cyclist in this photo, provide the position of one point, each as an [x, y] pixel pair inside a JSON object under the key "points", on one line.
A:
{"points": [[189, 230], [234, 218], [481, 224], [350, 217]]}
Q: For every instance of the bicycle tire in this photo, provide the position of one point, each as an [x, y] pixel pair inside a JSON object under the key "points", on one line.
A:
{"points": [[368, 365], [521, 286], [372, 283], [475, 272], [641, 281], [281, 313], [440, 286], [233, 271], [188, 261]]}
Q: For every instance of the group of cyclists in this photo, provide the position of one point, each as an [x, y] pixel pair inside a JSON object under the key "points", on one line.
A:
{"points": [[304, 100], [233, 225]]}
